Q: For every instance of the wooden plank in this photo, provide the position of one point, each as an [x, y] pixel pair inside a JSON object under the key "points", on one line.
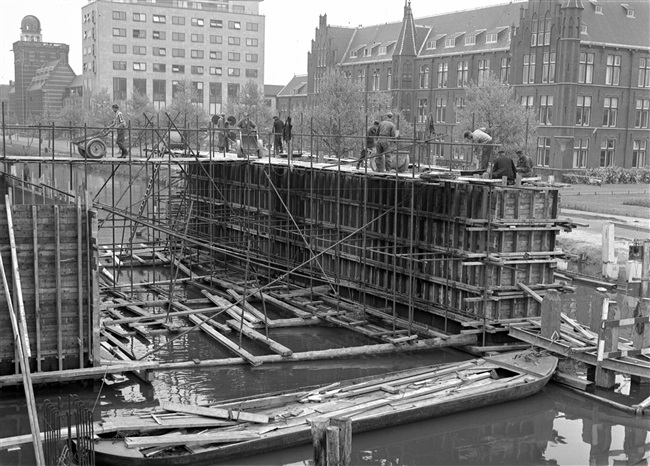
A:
{"points": [[246, 305], [57, 266], [202, 322], [37, 290], [532, 293], [219, 413], [257, 336], [232, 310], [189, 439], [189, 312], [80, 309]]}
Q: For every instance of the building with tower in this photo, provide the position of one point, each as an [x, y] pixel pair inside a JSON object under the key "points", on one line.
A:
{"points": [[41, 71], [583, 65], [150, 47]]}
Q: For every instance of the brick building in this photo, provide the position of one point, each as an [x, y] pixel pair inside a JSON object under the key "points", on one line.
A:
{"points": [[138, 45], [584, 66]]}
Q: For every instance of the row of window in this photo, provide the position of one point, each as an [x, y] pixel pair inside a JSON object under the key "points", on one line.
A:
{"points": [[180, 21], [607, 152], [178, 68], [610, 113], [180, 37], [612, 70], [159, 91], [180, 53]]}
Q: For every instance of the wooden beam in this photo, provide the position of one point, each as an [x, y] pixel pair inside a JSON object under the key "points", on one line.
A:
{"points": [[57, 271], [189, 439], [37, 289], [257, 336], [528, 290], [219, 413], [80, 309], [225, 341]]}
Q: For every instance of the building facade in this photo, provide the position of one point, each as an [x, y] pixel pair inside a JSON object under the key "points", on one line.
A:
{"points": [[150, 47], [39, 61], [583, 66]]}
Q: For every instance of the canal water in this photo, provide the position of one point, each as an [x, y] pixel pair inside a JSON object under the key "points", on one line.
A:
{"points": [[555, 426]]}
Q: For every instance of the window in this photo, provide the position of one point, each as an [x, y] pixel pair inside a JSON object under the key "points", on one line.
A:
{"points": [[119, 65], [159, 35], [527, 101], [197, 38], [460, 105], [196, 70], [178, 36], [178, 20], [233, 90], [234, 40], [374, 84], [541, 34], [462, 73], [607, 151], [119, 15], [178, 53], [234, 56], [580, 152], [613, 70], [216, 23], [599, 9], [251, 42], [162, 19], [139, 66], [470, 40], [215, 70], [252, 26], [483, 71], [529, 69], [424, 76], [159, 67], [367, 52], [119, 89], [441, 110], [251, 73], [629, 12], [449, 43], [140, 50], [234, 72], [216, 39], [610, 112], [238, 9], [178, 68], [545, 109], [159, 51], [139, 17], [234, 25], [443, 71], [491, 38], [215, 55], [361, 76], [197, 22], [139, 34], [644, 72], [548, 68], [140, 86], [583, 114], [642, 106], [431, 45], [119, 32], [389, 78], [423, 107], [159, 93], [583, 28], [586, 68], [215, 98], [504, 74], [119, 48], [543, 152], [251, 57], [197, 53], [176, 88], [383, 50], [639, 152]]}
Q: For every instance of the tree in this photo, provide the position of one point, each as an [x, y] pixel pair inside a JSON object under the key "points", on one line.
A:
{"points": [[139, 108], [494, 107], [72, 115], [251, 100], [100, 114], [185, 113]]}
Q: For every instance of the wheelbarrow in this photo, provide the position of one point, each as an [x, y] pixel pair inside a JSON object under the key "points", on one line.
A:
{"points": [[249, 144], [91, 146]]}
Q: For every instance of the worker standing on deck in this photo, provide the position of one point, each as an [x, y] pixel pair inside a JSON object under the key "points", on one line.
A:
{"points": [[524, 164], [278, 132], [504, 166], [119, 124], [385, 132], [371, 139], [479, 136], [246, 124]]}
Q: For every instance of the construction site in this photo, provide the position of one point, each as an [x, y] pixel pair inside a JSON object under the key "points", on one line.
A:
{"points": [[102, 254]]}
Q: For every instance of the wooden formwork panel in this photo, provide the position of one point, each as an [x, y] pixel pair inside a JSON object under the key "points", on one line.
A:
{"points": [[408, 236]]}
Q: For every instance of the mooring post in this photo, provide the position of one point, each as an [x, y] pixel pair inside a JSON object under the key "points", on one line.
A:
{"points": [[609, 269], [319, 442], [607, 340], [332, 441], [641, 333], [551, 314]]}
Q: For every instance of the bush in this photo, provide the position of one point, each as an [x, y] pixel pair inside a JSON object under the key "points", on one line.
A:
{"points": [[609, 175]]}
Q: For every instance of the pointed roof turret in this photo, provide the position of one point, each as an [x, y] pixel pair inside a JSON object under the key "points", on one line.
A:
{"points": [[406, 40], [573, 4]]}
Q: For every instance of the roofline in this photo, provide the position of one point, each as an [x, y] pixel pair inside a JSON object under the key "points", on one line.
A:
{"points": [[473, 9], [618, 46]]}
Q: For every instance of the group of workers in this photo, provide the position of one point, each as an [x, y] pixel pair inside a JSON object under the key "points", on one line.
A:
{"points": [[503, 165]]}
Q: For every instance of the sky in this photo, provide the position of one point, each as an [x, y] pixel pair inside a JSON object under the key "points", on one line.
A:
{"points": [[290, 26]]}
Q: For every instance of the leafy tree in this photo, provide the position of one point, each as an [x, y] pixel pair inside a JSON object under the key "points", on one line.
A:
{"points": [[251, 100], [100, 113], [72, 115], [136, 108], [494, 107], [185, 113]]}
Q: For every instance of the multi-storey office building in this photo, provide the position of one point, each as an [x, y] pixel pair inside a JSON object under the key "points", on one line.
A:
{"points": [[149, 46], [584, 66]]}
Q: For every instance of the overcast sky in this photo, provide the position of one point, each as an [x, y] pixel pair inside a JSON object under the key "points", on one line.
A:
{"points": [[290, 26]]}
